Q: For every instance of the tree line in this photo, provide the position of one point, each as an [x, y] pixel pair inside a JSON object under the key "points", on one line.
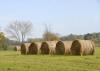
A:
{"points": [[20, 30], [89, 36]]}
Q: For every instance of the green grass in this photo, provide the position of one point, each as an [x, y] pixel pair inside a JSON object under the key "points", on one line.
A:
{"points": [[13, 61]]}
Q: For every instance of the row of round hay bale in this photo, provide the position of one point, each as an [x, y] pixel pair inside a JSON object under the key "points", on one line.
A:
{"points": [[55, 47], [29, 48], [82, 47], [63, 47], [76, 47]]}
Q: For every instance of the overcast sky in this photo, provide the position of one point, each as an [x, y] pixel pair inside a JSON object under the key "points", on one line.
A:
{"points": [[63, 16]]}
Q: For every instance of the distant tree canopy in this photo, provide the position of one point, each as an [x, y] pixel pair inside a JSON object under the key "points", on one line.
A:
{"points": [[34, 40], [90, 36], [3, 44], [72, 37], [49, 36], [93, 36], [2, 37]]}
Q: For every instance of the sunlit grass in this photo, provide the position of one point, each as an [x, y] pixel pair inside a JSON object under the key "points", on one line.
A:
{"points": [[13, 61]]}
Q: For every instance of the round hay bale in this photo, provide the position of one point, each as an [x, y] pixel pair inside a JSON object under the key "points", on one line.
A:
{"points": [[38, 46], [52, 45], [93, 45], [24, 48], [45, 48], [67, 47], [17, 48], [33, 48], [82, 47], [60, 48]]}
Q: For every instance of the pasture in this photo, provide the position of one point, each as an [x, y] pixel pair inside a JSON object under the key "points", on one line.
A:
{"points": [[14, 61]]}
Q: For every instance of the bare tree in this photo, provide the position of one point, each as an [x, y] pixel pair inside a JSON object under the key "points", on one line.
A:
{"points": [[48, 35], [19, 30]]}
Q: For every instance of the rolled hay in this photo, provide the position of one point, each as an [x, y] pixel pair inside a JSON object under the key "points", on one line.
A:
{"points": [[60, 48], [33, 48], [24, 48], [52, 45], [44, 48], [39, 46], [67, 47], [17, 48], [82, 47], [93, 49]]}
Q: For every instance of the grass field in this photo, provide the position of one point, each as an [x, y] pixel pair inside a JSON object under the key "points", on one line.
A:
{"points": [[13, 61]]}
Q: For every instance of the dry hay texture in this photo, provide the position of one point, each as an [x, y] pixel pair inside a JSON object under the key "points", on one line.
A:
{"points": [[60, 48], [38, 46], [82, 47], [44, 48], [52, 45], [67, 47], [33, 48], [17, 48], [24, 48]]}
